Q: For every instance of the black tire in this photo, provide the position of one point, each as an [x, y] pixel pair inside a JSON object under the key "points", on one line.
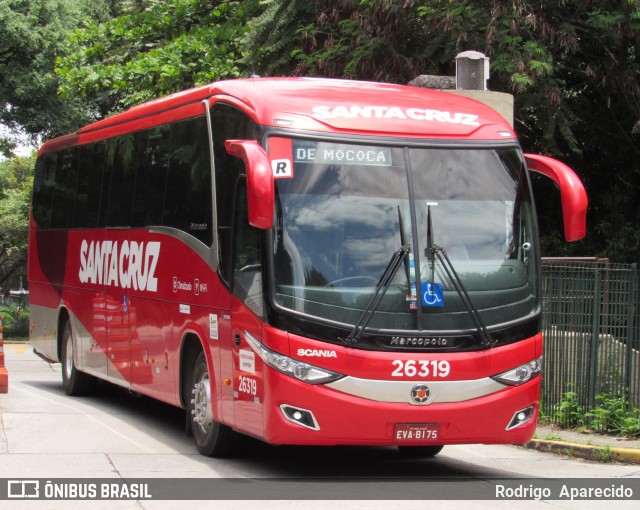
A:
{"points": [[75, 382], [212, 438], [420, 451]]}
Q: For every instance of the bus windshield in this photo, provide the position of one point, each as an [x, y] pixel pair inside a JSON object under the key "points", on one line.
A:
{"points": [[345, 209]]}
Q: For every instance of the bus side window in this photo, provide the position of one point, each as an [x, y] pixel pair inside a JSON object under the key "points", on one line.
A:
{"points": [[151, 177], [43, 190], [187, 195], [55, 189], [64, 191], [89, 190], [228, 123], [120, 173]]}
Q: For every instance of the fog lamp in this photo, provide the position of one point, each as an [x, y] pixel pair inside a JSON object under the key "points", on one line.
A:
{"points": [[299, 416], [521, 417]]}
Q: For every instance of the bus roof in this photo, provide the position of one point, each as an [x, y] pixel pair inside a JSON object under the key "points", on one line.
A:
{"points": [[322, 105]]}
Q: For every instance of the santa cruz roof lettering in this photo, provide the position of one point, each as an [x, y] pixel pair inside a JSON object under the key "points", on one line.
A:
{"points": [[394, 112]]}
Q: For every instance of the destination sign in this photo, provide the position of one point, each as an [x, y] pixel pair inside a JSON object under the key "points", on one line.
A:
{"points": [[340, 154]]}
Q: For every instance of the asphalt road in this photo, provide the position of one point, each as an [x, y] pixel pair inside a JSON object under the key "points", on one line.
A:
{"points": [[46, 435]]}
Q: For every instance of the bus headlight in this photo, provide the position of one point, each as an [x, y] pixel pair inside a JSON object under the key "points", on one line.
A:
{"points": [[520, 375], [291, 367]]}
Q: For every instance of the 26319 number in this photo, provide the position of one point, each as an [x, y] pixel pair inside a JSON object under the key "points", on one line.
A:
{"points": [[421, 368]]}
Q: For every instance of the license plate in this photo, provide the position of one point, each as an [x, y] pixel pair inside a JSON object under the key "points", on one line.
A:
{"points": [[417, 432]]}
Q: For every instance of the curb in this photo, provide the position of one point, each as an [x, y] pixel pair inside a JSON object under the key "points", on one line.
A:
{"points": [[589, 452]]}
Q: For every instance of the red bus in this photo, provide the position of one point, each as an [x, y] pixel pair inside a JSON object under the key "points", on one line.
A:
{"points": [[305, 261]]}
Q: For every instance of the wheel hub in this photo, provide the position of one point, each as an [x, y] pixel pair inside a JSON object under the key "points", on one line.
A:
{"points": [[201, 401]]}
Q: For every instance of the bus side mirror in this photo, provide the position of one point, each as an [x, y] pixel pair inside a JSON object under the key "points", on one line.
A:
{"points": [[572, 193], [260, 187]]}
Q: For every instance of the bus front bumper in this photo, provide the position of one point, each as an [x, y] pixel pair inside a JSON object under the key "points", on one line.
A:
{"points": [[297, 413]]}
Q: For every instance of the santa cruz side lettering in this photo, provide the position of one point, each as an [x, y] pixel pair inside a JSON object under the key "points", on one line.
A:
{"points": [[394, 112], [130, 265]]}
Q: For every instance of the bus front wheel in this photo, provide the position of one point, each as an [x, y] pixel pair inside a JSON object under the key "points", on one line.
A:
{"points": [[212, 438]]}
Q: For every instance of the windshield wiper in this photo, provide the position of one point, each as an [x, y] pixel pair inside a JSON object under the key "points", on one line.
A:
{"points": [[383, 284], [378, 294], [432, 251], [403, 242]]}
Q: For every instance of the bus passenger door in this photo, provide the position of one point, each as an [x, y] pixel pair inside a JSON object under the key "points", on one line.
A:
{"points": [[246, 317]]}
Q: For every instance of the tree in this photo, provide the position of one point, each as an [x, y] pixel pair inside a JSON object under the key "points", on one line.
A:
{"points": [[153, 49], [272, 38], [32, 31], [16, 177]]}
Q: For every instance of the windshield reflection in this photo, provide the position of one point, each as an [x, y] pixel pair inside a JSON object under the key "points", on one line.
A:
{"points": [[337, 227]]}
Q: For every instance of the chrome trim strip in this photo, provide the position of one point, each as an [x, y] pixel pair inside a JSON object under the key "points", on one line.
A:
{"points": [[214, 196], [400, 391]]}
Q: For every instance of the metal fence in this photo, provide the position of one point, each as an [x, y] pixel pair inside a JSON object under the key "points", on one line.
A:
{"points": [[591, 331]]}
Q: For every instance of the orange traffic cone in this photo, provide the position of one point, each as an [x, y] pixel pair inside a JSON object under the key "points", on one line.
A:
{"points": [[4, 375]]}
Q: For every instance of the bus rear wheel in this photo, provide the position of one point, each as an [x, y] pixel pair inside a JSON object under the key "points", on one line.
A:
{"points": [[75, 382], [421, 451], [212, 438]]}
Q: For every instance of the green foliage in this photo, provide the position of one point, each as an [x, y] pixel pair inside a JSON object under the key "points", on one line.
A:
{"points": [[15, 320], [32, 31], [271, 41], [569, 413], [605, 454], [14, 210], [16, 176], [156, 48], [613, 415], [382, 40]]}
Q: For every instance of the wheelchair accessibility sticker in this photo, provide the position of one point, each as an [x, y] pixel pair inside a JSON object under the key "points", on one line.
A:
{"points": [[432, 294]]}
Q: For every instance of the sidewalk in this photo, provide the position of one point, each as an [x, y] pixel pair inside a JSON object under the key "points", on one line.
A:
{"points": [[591, 446]]}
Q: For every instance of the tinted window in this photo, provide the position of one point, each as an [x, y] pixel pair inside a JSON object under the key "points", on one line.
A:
{"points": [[156, 177], [89, 189], [64, 190], [120, 172], [151, 177], [187, 198], [43, 189], [228, 123], [55, 189], [247, 256]]}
